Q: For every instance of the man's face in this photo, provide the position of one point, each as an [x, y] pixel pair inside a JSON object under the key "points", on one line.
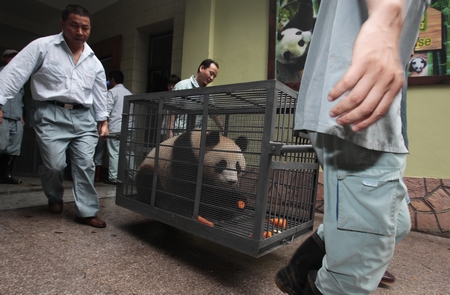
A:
{"points": [[207, 75], [76, 30]]}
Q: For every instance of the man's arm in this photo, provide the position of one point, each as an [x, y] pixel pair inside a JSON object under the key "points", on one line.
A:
{"points": [[376, 74], [169, 126], [103, 129], [218, 122]]}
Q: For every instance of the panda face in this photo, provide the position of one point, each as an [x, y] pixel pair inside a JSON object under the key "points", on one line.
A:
{"points": [[417, 64], [292, 43], [225, 163]]}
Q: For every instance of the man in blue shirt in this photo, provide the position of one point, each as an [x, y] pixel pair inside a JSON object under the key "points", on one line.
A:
{"points": [[350, 104], [206, 73]]}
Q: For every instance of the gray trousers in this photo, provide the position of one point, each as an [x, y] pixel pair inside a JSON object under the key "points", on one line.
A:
{"points": [[57, 130], [11, 133], [365, 214], [113, 154]]}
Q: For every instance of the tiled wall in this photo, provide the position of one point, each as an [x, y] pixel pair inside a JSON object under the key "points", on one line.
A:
{"points": [[135, 20], [429, 207]]}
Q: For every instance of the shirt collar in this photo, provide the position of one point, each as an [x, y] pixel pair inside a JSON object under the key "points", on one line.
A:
{"points": [[87, 49], [194, 82]]}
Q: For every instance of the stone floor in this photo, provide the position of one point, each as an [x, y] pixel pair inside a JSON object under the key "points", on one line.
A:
{"points": [[43, 253]]}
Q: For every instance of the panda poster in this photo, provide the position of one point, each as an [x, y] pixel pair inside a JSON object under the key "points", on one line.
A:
{"points": [[291, 28], [295, 21], [430, 57]]}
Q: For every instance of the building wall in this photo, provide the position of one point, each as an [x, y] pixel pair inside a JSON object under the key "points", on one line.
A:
{"points": [[235, 33], [429, 136], [136, 20], [237, 38]]}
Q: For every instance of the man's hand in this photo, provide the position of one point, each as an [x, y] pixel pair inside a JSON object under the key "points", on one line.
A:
{"points": [[103, 129], [375, 75], [1, 116]]}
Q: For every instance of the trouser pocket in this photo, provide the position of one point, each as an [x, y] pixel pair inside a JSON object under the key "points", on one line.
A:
{"points": [[368, 204]]}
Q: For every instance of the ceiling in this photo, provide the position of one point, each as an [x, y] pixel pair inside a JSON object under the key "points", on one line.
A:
{"points": [[22, 21]]}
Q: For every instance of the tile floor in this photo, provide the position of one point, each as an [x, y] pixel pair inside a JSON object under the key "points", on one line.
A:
{"points": [[43, 253]]}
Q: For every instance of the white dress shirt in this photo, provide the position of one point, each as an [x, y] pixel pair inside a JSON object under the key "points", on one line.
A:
{"points": [[115, 107], [55, 76]]}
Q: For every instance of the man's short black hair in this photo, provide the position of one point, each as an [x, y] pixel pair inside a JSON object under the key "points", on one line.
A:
{"points": [[75, 9], [117, 76], [206, 64], [173, 79]]}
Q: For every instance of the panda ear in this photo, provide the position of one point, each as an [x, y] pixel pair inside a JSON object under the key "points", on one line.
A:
{"points": [[212, 139], [279, 36], [242, 143]]}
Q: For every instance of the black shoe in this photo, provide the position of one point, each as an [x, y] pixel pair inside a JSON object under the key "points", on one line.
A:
{"points": [[55, 208], [310, 287], [7, 166], [292, 278], [10, 180], [110, 182]]}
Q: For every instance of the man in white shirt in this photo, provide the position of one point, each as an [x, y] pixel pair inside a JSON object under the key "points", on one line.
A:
{"points": [[68, 84], [11, 129], [115, 108]]}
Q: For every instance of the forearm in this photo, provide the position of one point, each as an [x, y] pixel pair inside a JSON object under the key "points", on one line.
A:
{"points": [[218, 122], [387, 16]]}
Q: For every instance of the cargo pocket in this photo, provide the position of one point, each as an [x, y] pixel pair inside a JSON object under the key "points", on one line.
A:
{"points": [[368, 204]]}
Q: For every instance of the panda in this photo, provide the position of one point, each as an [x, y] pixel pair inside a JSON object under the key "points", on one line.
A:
{"points": [[417, 64], [293, 42], [178, 163], [292, 46]]}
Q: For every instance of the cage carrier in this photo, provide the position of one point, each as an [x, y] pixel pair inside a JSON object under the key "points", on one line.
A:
{"points": [[220, 162]]}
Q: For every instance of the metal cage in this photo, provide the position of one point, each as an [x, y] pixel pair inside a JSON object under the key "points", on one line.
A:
{"points": [[270, 203]]}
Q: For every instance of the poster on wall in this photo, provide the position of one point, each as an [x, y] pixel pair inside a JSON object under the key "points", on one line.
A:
{"points": [[431, 55], [295, 25], [291, 27]]}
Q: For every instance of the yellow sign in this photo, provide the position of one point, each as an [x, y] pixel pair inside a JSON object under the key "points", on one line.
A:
{"points": [[430, 33]]}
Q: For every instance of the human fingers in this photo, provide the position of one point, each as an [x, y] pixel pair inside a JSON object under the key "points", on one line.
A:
{"points": [[363, 99], [357, 93], [379, 111], [346, 83]]}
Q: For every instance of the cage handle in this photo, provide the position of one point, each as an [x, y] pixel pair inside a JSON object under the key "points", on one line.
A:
{"points": [[288, 242], [113, 136], [278, 148]]}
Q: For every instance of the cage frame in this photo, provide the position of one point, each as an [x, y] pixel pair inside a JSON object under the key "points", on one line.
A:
{"points": [[255, 245]]}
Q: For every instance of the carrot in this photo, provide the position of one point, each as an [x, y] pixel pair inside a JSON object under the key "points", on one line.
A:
{"points": [[267, 234], [205, 221], [241, 204], [279, 222]]}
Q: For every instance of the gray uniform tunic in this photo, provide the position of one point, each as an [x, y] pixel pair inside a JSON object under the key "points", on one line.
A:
{"points": [[329, 56]]}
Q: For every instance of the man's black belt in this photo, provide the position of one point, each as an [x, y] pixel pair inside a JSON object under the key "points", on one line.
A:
{"points": [[69, 106]]}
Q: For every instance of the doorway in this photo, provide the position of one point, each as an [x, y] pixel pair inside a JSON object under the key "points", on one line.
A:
{"points": [[160, 61]]}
